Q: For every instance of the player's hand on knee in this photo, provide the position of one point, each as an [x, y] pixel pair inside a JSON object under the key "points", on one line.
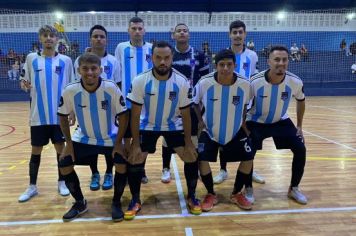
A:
{"points": [[135, 156], [300, 133], [25, 85], [119, 149], [190, 154]]}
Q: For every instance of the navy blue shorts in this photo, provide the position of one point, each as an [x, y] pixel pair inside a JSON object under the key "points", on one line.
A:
{"points": [[40, 135], [283, 132], [238, 149], [148, 139]]}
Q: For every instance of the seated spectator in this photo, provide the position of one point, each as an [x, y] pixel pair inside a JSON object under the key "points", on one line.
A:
{"points": [[294, 52], [251, 45], [14, 72], [265, 50], [304, 53], [353, 68], [11, 57]]}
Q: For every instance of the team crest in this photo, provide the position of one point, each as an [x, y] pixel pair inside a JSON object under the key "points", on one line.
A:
{"points": [[235, 100], [148, 58], [284, 96], [245, 65], [104, 104], [172, 95], [107, 69], [58, 70], [201, 147]]}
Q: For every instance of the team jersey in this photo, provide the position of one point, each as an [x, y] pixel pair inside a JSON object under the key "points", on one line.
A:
{"points": [[110, 66], [271, 101], [48, 76], [191, 63], [161, 100], [224, 105], [133, 61], [247, 63], [95, 111]]}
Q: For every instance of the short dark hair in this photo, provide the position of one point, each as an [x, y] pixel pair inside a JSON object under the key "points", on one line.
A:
{"points": [[47, 29], [225, 54], [161, 44], [98, 27], [237, 24], [278, 48], [179, 25], [136, 19], [89, 57]]}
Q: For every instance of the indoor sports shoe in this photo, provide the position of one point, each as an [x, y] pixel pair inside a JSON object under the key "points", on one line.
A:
{"points": [[78, 208], [295, 194], [209, 201], [221, 177], [194, 206], [166, 176], [132, 210], [116, 212], [62, 188], [257, 178], [241, 201], [249, 194], [144, 179], [107, 184], [30, 192], [95, 182]]}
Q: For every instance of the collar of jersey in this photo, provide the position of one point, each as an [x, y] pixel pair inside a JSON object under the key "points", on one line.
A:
{"points": [[267, 79], [40, 54], [169, 76], [216, 78], [186, 51], [81, 82]]}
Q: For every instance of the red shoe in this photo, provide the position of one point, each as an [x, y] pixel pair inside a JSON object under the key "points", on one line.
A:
{"points": [[209, 201], [241, 201]]}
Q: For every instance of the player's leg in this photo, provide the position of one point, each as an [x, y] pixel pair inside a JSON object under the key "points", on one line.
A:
{"points": [[119, 187], [95, 175], [166, 162], [108, 177]]}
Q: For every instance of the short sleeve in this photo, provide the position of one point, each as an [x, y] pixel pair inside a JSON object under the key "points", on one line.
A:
{"points": [[65, 106], [135, 94], [185, 97]]}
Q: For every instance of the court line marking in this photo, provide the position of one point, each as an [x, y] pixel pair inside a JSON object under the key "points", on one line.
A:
{"points": [[178, 182], [331, 141], [188, 232], [211, 214], [290, 155], [333, 109]]}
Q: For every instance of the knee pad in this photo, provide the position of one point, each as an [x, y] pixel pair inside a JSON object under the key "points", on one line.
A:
{"points": [[118, 159], [135, 168], [66, 162]]}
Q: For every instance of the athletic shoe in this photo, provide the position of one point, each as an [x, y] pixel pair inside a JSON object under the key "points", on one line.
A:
{"points": [[95, 182], [209, 201], [166, 176], [221, 177], [132, 210], [257, 178], [116, 212], [241, 201], [30, 192], [249, 194], [144, 179], [62, 188], [78, 208], [295, 194], [107, 183], [194, 206]]}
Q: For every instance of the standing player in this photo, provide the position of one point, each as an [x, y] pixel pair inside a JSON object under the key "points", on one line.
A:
{"points": [[96, 103], [247, 62], [193, 64], [134, 57], [111, 71], [164, 97], [272, 91], [224, 95], [45, 74]]}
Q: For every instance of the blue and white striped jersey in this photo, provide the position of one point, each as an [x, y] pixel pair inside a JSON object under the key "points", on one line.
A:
{"points": [[48, 77], [95, 111], [271, 101], [224, 105], [161, 100], [133, 61], [246, 63], [110, 66]]}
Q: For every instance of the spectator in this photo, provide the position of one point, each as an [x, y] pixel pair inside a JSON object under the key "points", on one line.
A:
{"points": [[295, 53], [251, 45], [14, 72], [265, 50], [304, 53], [343, 45], [353, 68], [11, 57]]}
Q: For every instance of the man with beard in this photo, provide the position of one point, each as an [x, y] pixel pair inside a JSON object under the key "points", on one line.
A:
{"points": [[165, 96], [272, 91], [193, 64], [45, 74], [246, 66], [110, 71], [134, 57]]}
